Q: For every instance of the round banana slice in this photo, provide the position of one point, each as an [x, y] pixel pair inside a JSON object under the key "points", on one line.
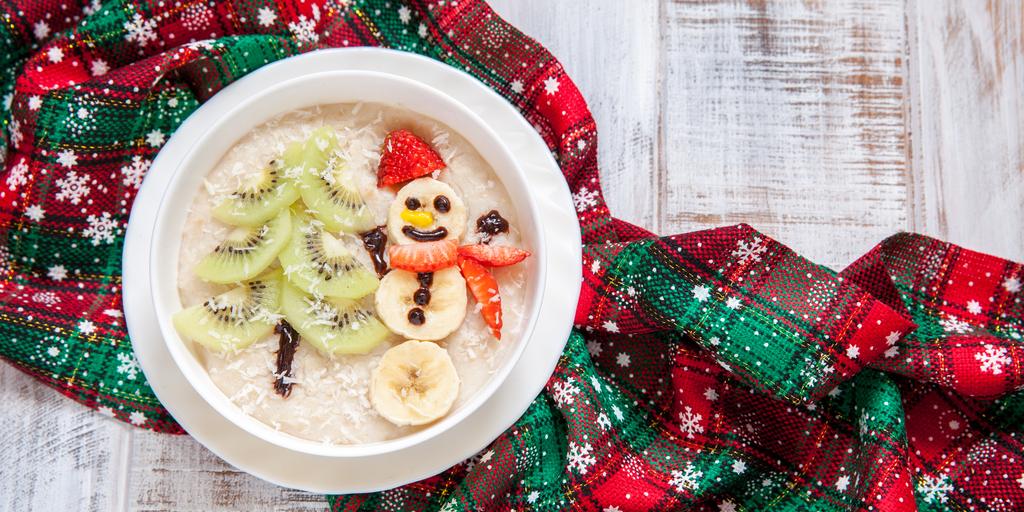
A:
{"points": [[406, 311], [415, 383], [426, 210]]}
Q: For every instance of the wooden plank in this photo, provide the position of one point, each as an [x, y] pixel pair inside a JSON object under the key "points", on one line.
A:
{"points": [[177, 473], [612, 53], [788, 116], [57, 455], [968, 81]]}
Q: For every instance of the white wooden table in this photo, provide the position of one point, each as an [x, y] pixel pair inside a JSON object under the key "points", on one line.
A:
{"points": [[826, 124]]}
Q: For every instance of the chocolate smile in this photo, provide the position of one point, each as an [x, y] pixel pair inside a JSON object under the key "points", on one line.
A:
{"points": [[433, 235]]}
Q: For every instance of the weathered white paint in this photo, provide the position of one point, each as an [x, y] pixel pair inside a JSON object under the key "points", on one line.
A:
{"points": [[792, 116]]}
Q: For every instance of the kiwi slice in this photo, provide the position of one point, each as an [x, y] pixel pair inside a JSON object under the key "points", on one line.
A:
{"points": [[265, 194], [325, 188], [247, 251], [332, 325], [320, 264], [234, 319]]}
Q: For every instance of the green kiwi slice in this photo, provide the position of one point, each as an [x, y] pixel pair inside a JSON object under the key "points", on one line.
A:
{"points": [[320, 264], [265, 194], [325, 188], [247, 251], [331, 325], [234, 319]]}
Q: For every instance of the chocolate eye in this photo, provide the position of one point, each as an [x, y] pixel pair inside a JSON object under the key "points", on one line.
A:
{"points": [[412, 203], [442, 204]]}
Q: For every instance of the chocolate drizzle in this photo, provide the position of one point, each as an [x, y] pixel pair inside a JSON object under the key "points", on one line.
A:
{"points": [[491, 224], [287, 343], [425, 236], [375, 241]]}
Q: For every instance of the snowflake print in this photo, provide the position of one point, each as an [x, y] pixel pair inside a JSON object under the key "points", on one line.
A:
{"points": [[733, 303], [40, 30], [532, 497], [622, 359], [92, 8], [934, 489], [35, 212], [686, 479], [127, 365], [57, 272], [67, 158], [35, 102], [480, 458], [610, 326], [551, 85], [955, 325], [266, 16], [749, 251], [55, 54], [690, 423], [404, 15], [993, 359], [580, 457], [134, 171], [517, 86], [584, 199], [892, 338], [618, 413], [603, 421], [86, 327], [46, 298], [422, 31], [139, 30], [155, 138], [842, 483], [726, 506], [106, 411], [1012, 284], [974, 307], [16, 136], [99, 67], [701, 293], [739, 467], [852, 351], [72, 188], [565, 392], [711, 394], [101, 229], [80, 121], [18, 175], [304, 30], [137, 418], [594, 348], [196, 17]]}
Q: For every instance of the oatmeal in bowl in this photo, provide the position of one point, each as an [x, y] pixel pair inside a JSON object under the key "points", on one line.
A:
{"points": [[352, 273]]}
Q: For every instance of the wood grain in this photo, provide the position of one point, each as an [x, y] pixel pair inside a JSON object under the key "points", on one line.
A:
{"points": [[612, 53], [968, 85], [788, 116]]}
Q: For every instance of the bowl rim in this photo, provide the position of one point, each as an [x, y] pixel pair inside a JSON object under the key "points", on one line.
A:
{"points": [[502, 161]]}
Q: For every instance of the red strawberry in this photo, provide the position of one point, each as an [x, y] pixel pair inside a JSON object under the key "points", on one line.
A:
{"points": [[484, 288], [405, 156], [494, 255], [424, 256]]}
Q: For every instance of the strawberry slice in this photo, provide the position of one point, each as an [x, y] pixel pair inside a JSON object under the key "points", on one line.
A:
{"points": [[484, 288], [424, 256], [494, 255], [405, 156]]}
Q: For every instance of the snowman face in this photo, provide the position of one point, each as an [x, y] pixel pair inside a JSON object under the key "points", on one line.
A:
{"points": [[426, 210]]}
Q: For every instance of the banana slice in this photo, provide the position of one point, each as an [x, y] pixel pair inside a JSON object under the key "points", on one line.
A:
{"points": [[406, 310], [415, 383], [426, 210]]}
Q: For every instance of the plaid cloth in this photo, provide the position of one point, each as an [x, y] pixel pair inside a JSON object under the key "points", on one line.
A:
{"points": [[715, 370]]}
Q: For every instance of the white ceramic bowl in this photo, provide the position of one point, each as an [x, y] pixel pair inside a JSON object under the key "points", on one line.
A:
{"points": [[320, 89]]}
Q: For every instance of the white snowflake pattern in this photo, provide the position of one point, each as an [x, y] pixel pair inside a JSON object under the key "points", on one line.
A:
{"points": [[73, 188], [404, 15], [974, 307], [422, 30], [140, 30], [155, 138], [690, 423], [892, 338], [481, 458], [842, 483], [584, 199], [106, 411], [603, 421], [581, 457], [594, 348], [517, 86], [47, 298], [565, 392], [852, 351], [101, 229], [733, 303], [750, 251], [99, 67], [726, 506], [92, 8], [551, 85], [993, 359], [16, 135], [53, 351], [127, 365], [711, 394], [955, 325], [532, 497], [137, 418], [701, 293], [304, 30], [134, 171], [686, 479], [67, 158], [266, 16], [623, 359], [40, 30], [739, 467], [57, 272], [35, 102], [618, 413], [18, 175], [934, 489], [86, 327], [1012, 284], [196, 17], [610, 326], [612, 508], [55, 54]]}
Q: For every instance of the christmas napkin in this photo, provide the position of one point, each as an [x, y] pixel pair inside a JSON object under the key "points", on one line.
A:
{"points": [[715, 370]]}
